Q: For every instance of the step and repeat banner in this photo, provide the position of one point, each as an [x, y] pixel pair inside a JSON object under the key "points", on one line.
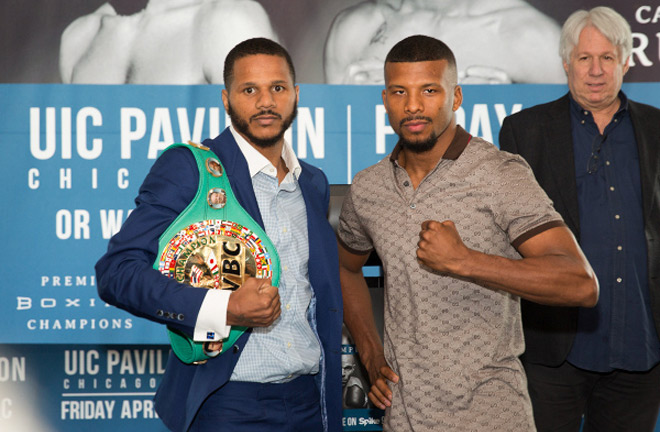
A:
{"points": [[87, 104]]}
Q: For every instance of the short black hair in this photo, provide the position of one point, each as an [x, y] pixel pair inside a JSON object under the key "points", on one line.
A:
{"points": [[419, 48], [255, 46]]}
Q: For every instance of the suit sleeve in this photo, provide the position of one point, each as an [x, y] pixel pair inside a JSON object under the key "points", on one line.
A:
{"points": [[125, 274], [507, 138]]}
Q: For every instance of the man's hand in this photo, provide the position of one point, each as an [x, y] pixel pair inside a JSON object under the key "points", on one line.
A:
{"points": [[256, 303], [440, 247], [379, 375]]}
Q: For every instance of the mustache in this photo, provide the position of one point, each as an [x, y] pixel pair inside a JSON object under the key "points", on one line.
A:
{"points": [[413, 118], [266, 112]]}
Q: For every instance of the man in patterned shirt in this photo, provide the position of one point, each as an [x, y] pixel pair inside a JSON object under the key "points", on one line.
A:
{"points": [[474, 233]]}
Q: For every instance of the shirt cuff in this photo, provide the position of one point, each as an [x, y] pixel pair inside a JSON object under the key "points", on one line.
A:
{"points": [[211, 323]]}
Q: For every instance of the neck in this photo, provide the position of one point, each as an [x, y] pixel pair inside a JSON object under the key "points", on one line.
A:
{"points": [[419, 165], [603, 117], [274, 155]]}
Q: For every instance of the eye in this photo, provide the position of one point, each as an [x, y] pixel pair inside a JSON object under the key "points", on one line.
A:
{"points": [[430, 91], [249, 90], [278, 88]]}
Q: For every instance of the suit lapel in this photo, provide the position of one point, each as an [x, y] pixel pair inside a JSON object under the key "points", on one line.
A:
{"points": [[238, 173], [559, 142], [647, 134], [313, 214]]}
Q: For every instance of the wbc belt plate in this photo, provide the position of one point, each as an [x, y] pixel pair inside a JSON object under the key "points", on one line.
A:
{"points": [[217, 254]]}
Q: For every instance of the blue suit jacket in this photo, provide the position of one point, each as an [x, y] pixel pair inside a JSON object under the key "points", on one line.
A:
{"points": [[126, 279]]}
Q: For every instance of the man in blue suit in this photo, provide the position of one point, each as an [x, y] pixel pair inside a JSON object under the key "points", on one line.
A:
{"points": [[284, 373]]}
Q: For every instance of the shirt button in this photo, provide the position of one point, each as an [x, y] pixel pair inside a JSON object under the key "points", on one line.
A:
{"points": [[406, 183], [288, 345], [619, 248], [286, 268], [582, 121], [611, 188], [284, 229], [413, 205], [619, 280], [288, 306], [617, 217], [607, 163]]}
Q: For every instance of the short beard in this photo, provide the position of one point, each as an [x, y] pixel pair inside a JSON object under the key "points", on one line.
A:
{"points": [[244, 128], [418, 146]]}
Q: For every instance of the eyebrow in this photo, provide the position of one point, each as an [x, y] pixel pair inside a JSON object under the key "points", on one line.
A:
{"points": [[430, 84]]}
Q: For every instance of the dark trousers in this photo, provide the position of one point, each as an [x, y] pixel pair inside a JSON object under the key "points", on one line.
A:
{"points": [[613, 401], [251, 407]]}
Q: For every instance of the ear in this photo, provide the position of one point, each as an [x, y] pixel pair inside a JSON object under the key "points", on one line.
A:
{"points": [[565, 67], [225, 99], [626, 65], [458, 98], [297, 94], [384, 96]]}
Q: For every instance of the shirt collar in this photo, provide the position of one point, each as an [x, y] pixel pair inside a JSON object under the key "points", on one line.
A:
{"points": [[455, 149], [259, 163], [581, 112]]}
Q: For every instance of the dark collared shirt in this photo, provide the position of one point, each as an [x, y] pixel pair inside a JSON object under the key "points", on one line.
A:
{"points": [[619, 332]]}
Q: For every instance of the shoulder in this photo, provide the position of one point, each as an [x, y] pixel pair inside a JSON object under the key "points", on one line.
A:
{"points": [[499, 165], [351, 31], [358, 14], [77, 37], [373, 175], [175, 165], [540, 110], [232, 8], [315, 177], [236, 18], [314, 172], [638, 108]]}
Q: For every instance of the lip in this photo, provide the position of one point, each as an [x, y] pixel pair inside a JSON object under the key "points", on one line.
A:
{"points": [[266, 120], [415, 126], [595, 86]]}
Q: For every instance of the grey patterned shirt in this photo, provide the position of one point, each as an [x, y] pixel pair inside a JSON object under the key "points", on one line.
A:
{"points": [[455, 344]]}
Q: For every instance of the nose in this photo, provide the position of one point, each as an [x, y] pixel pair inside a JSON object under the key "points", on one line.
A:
{"points": [[596, 68], [414, 103], [265, 100]]}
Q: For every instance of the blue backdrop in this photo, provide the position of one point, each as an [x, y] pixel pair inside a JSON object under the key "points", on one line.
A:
{"points": [[74, 157]]}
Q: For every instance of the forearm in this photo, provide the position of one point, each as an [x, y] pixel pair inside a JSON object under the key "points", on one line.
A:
{"points": [[125, 274], [554, 279], [358, 314]]}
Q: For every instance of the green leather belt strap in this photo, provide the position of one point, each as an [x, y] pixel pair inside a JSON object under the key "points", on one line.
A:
{"points": [[214, 243]]}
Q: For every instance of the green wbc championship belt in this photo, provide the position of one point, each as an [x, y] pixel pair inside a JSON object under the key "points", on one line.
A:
{"points": [[214, 243]]}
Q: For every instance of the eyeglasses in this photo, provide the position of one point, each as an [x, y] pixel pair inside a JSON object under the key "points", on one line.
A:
{"points": [[594, 159]]}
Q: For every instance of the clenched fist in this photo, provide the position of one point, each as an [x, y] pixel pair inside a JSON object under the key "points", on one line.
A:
{"points": [[440, 247], [256, 303]]}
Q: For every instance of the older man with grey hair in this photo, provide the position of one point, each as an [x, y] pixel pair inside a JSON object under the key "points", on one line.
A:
{"points": [[596, 154]]}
